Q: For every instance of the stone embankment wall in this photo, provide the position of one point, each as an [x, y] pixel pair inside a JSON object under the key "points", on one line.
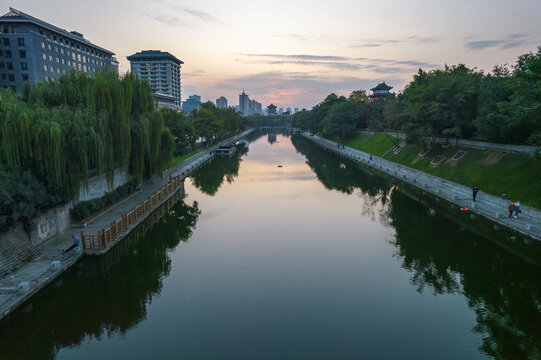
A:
{"points": [[15, 248], [98, 185]]}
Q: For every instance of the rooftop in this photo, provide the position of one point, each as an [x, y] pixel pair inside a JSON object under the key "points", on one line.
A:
{"points": [[153, 55], [382, 86], [15, 16]]}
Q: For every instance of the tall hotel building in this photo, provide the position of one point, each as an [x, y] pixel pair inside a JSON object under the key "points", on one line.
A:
{"points": [[161, 69], [33, 50]]}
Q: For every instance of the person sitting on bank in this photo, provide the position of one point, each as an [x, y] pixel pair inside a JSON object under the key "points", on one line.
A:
{"points": [[76, 242]]}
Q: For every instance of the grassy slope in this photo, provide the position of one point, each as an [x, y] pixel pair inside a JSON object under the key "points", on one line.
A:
{"points": [[493, 172], [178, 159]]}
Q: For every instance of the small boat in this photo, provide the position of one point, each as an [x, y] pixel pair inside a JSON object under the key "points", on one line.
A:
{"points": [[279, 166]]}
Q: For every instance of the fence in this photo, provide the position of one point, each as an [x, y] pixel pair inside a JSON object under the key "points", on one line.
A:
{"points": [[108, 235]]}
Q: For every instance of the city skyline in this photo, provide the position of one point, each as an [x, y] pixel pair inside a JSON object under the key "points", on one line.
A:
{"points": [[322, 49]]}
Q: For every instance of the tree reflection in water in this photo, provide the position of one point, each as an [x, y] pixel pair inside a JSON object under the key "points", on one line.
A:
{"points": [[101, 296], [502, 289], [209, 178]]}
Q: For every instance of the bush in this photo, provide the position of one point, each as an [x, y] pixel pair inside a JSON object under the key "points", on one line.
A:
{"points": [[87, 208]]}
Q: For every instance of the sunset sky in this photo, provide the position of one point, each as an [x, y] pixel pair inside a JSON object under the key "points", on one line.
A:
{"points": [[294, 53]]}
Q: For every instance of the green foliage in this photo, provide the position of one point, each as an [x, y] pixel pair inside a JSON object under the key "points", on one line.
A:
{"points": [[87, 208], [454, 102], [22, 197]]}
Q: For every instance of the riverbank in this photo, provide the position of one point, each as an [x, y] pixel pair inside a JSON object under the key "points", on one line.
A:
{"points": [[488, 206], [20, 285]]}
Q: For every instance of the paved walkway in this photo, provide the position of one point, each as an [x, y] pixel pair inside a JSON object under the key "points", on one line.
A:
{"points": [[488, 206], [17, 287]]}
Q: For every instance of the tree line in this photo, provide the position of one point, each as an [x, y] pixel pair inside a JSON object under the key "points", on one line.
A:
{"points": [[503, 105], [55, 135]]}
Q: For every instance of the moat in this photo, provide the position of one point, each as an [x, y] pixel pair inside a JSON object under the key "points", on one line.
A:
{"points": [[316, 259]]}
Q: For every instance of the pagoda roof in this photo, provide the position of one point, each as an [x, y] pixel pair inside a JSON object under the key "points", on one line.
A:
{"points": [[382, 86], [271, 105]]}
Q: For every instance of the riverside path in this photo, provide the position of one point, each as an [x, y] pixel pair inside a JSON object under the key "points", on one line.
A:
{"points": [[27, 280], [488, 206]]}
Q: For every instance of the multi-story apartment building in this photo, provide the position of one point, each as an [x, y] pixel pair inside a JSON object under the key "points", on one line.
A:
{"points": [[161, 69], [192, 103], [221, 102], [33, 50]]}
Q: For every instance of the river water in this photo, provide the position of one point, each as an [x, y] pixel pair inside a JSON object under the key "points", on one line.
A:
{"points": [[316, 259]]}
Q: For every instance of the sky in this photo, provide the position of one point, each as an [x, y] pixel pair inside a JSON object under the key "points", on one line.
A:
{"points": [[294, 53]]}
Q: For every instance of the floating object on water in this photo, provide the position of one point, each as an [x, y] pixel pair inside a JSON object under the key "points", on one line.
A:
{"points": [[464, 209], [279, 166]]}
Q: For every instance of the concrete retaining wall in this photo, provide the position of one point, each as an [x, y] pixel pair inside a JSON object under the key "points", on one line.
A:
{"points": [[50, 224], [98, 186], [15, 249]]}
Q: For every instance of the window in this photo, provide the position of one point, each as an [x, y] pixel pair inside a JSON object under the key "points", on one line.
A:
{"points": [[8, 54], [24, 66], [44, 67], [57, 60], [62, 51], [6, 42], [9, 65], [25, 77], [11, 77], [50, 58], [78, 57], [80, 67], [51, 68], [44, 56], [42, 45], [56, 48], [49, 46], [84, 68], [58, 70], [2, 65], [22, 54], [63, 62], [1, 52], [20, 41], [73, 55], [4, 77], [69, 63]]}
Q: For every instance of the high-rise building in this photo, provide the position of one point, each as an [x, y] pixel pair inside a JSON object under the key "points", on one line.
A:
{"points": [[33, 50], [192, 103], [288, 110], [221, 103], [244, 104], [296, 110], [161, 69], [280, 111]]}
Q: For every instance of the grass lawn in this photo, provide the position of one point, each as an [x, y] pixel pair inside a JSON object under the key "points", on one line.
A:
{"points": [[178, 159], [493, 172], [374, 144]]}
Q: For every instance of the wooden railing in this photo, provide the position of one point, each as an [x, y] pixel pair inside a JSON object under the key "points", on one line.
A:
{"points": [[117, 227]]}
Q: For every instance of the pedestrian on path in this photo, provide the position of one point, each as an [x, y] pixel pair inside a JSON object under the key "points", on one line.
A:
{"points": [[76, 242], [517, 209], [370, 157], [474, 191], [511, 208]]}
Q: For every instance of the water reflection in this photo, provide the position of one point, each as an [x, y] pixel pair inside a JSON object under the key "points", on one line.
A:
{"points": [[101, 296], [209, 178], [503, 290]]}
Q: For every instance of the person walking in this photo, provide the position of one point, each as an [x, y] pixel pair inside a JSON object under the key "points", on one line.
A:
{"points": [[511, 208], [370, 157], [517, 209], [76, 242], [474, 191]]}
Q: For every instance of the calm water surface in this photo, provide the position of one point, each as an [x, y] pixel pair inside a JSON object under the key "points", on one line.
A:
{"points": [[313, 260]]}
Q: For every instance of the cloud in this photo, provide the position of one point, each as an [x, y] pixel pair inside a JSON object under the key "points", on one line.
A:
{"points": [[336, 62], [298, 37], [184, 17], [168, 19], [363, 43], [509, 42]]}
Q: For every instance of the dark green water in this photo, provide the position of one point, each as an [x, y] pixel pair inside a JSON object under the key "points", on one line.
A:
{"points": [[314, 260]]}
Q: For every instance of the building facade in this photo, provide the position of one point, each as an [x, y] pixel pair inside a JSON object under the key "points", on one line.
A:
{"points": [[221, 103], [244, 104], [271, 110], [192, 103], [164, 100], [380, 91], [33, 50], [161, 69]]}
